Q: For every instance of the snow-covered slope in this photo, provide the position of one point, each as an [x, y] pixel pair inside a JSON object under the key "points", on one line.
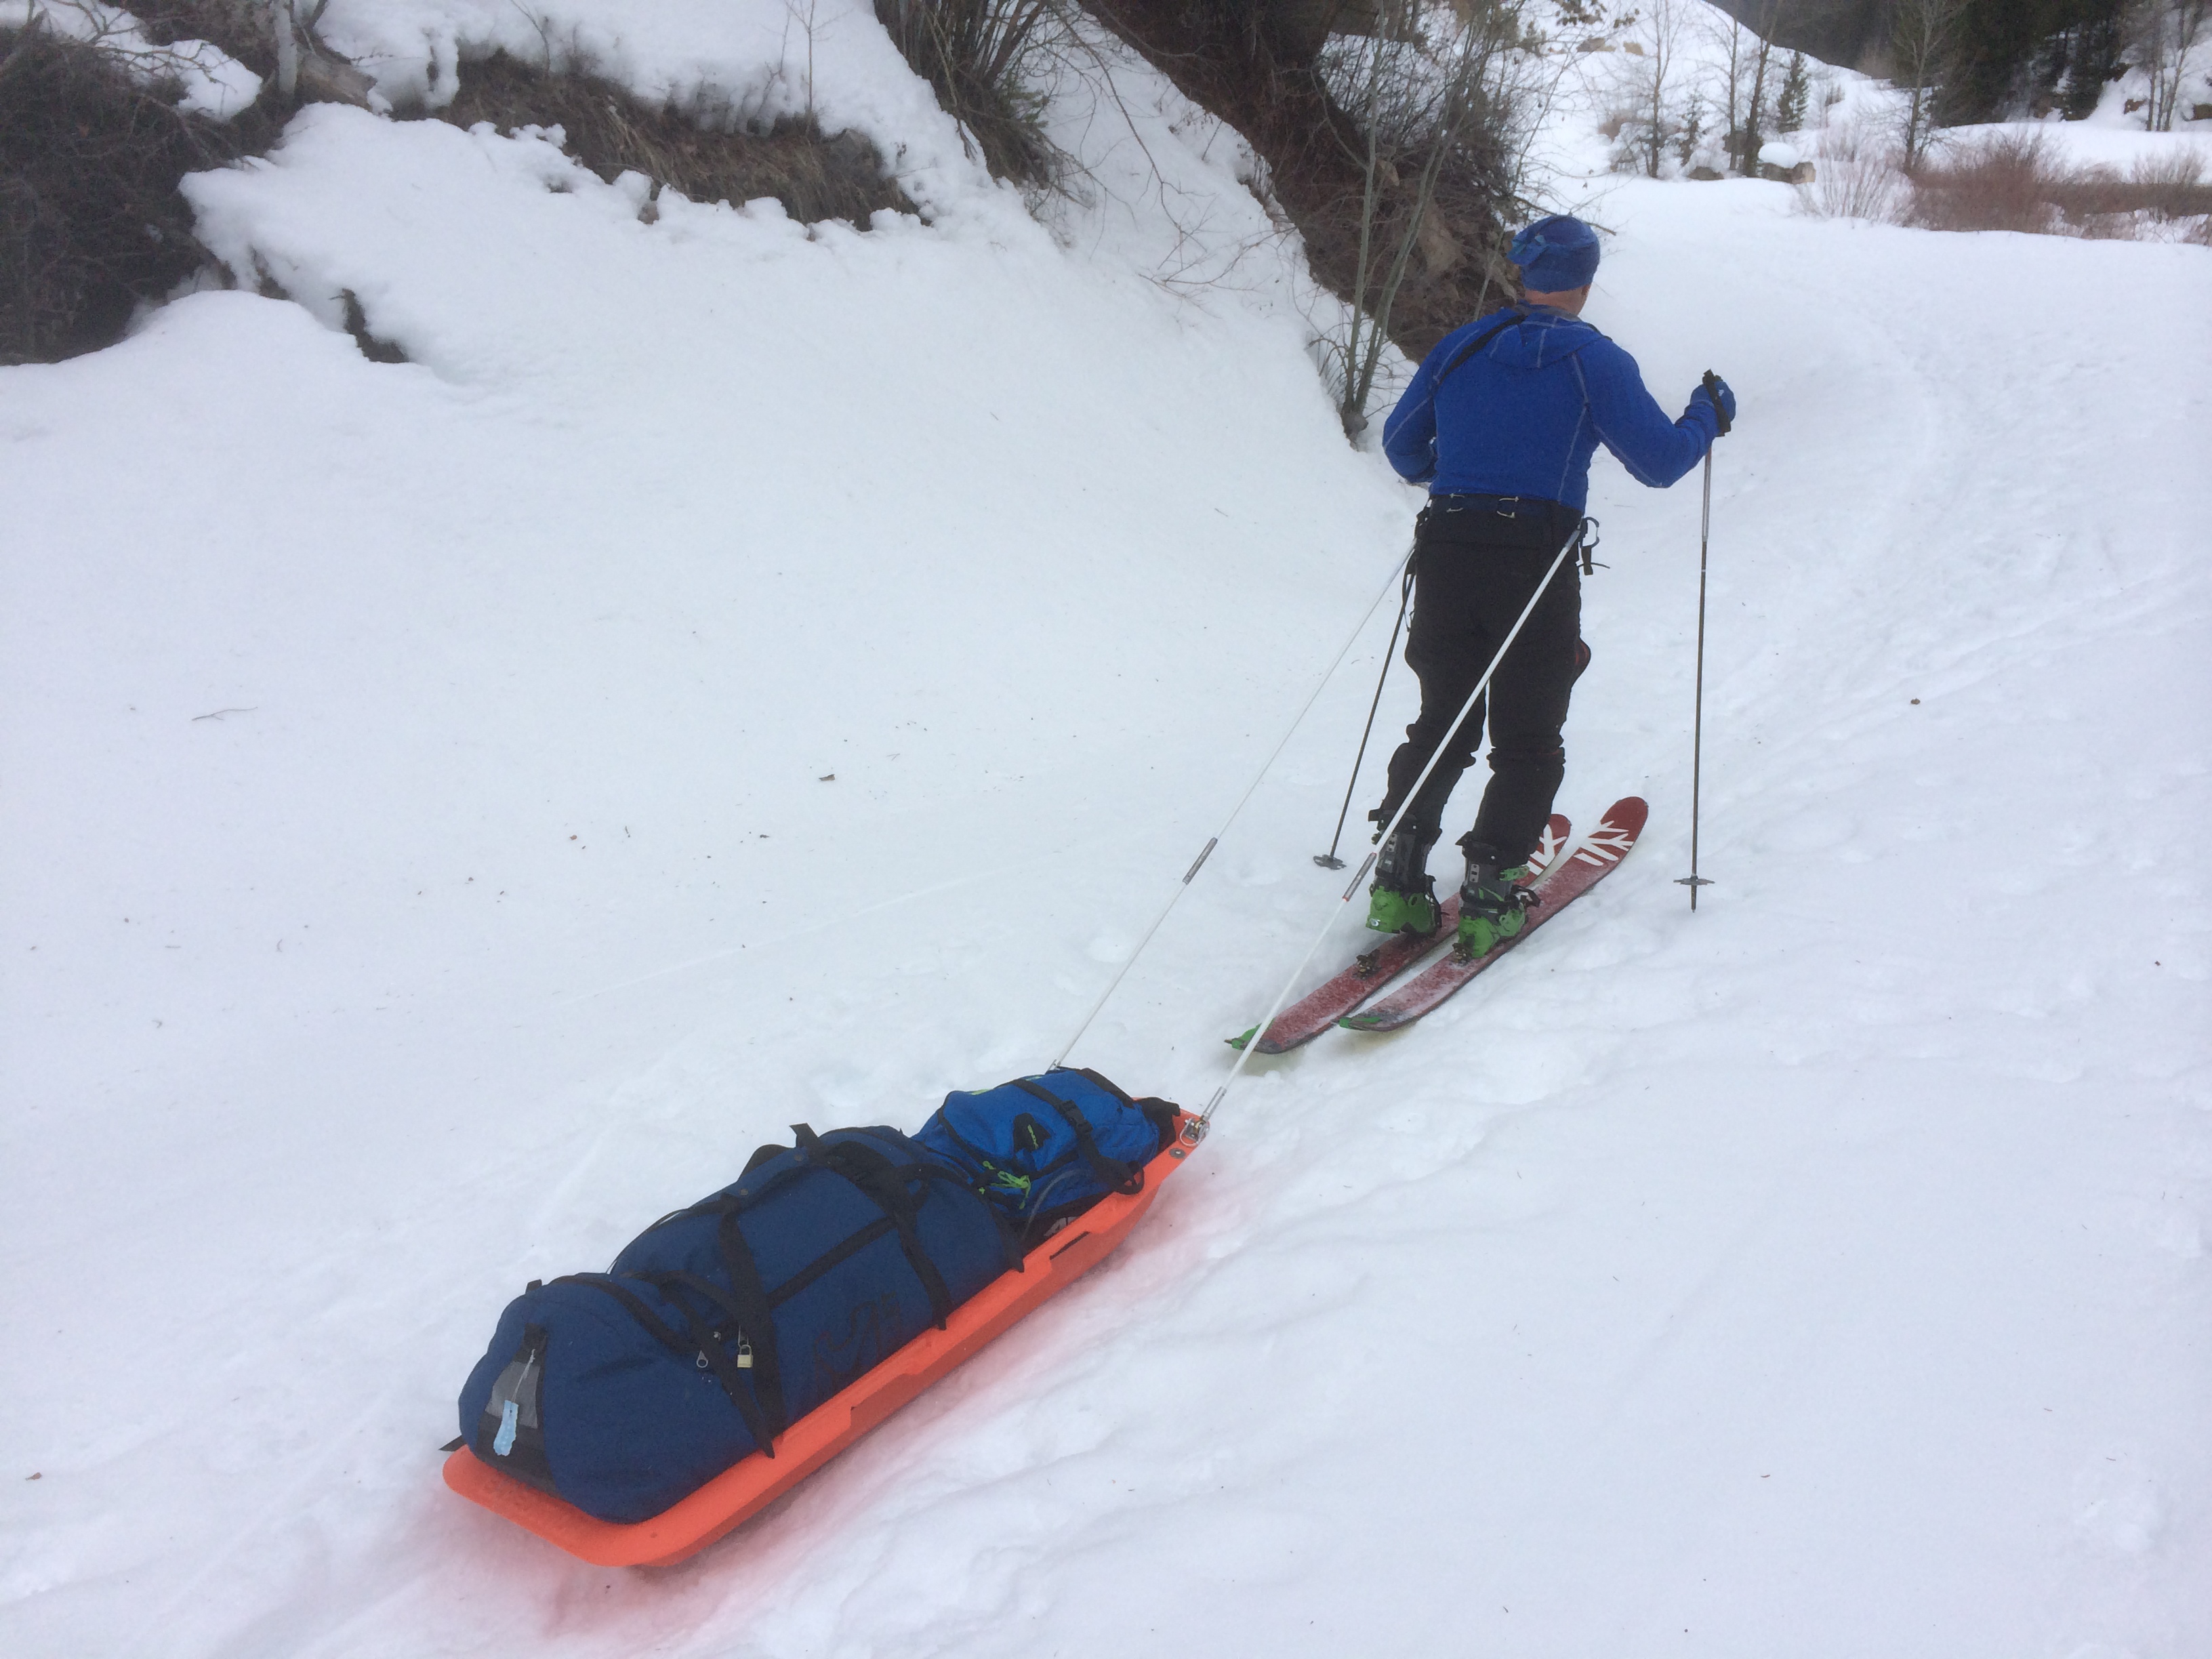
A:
{"points": [[423, 865]]}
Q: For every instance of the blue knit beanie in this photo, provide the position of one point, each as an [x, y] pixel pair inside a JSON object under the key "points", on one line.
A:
{"points": [[1555, 254]]}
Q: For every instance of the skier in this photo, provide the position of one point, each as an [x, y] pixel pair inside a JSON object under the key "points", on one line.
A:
{"points": [[1500, 421]]}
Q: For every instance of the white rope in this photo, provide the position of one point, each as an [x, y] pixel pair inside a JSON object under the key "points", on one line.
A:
{"points": [[1214, 841], [1196, 1131]]}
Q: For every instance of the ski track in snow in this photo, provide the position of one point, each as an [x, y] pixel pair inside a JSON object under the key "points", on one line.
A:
{"points": [[1822, 1274]]}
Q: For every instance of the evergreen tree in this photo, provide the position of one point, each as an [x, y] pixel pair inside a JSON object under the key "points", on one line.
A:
{"points": [[2093, 55], [2009, 50], [1790, 107]]}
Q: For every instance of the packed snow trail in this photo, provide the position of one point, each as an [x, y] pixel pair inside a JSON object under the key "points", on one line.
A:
{"points": [[421, 870]]}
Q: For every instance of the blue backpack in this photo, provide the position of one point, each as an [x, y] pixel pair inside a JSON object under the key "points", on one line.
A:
{"points": [[1043, 1149], [722, 1324]]}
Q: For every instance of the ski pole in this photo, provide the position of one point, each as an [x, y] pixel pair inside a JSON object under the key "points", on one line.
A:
{"points": [[1693, 880], [1214, 841], [1194, 1129], [1330, 860]]}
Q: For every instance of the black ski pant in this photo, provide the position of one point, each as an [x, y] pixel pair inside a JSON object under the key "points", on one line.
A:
{"points": [[1477, 559]]}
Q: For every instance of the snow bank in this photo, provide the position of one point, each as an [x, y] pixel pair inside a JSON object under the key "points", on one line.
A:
{"points": [[209, 80], [766, 60]]}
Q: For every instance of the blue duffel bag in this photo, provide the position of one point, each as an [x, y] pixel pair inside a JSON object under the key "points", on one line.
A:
{"points": [[1044, 1149], [722, 1325]]}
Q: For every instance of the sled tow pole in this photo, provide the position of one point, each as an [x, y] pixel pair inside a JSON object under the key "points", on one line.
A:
{"points": [[1214, 840]]}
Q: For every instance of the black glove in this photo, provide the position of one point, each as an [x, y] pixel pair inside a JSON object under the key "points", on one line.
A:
{"points": [[1724, 400]]}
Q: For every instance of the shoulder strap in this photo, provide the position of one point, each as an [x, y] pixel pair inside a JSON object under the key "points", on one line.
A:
{"points": [[1512, 316]]}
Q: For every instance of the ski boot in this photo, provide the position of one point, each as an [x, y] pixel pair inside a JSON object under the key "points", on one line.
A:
{"points": [[1403, 899], [1493, 906]]}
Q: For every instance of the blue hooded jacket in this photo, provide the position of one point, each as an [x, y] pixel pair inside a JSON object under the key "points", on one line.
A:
{"points": [[1524, 415]]}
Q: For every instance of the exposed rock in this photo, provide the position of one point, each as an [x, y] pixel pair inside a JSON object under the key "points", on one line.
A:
{"points": [[1703, 175], [1440, 250], [333, 80]]}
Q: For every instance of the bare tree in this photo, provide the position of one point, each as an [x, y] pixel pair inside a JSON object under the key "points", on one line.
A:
{"points": [[1731, 101], [1652, 78], [1923, 39], [2164, 32], [1421, 88], [1770, 16]]}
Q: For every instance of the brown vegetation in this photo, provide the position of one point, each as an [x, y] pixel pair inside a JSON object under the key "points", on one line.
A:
{"points": [[700, 150], [2013, 182], [91, 223], [972, 52], [1261, 78]]}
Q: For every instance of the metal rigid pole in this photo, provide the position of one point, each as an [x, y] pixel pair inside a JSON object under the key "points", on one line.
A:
{"points": [[1194, 1129], [1693, 880], [1330, 860], [1214, 841]]}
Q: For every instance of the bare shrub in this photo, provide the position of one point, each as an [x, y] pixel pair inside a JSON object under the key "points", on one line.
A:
{"points": [[91, 223], [1858, 176], [2162, 198], [700, 149], [2003, 183], [240, 27], [2012, 181], [974, 54], [2172, 186]]}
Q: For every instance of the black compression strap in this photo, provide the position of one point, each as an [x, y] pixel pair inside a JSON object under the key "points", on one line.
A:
{"points": [[875, 1176], [750, 1297], [710, 1348], [661, 1331], [1104, 1082], [701, 1340], [1163, 1115], [1118, 1177]]}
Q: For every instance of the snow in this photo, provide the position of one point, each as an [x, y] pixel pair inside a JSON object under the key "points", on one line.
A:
{"points": [[422, 868], [209, 80]]}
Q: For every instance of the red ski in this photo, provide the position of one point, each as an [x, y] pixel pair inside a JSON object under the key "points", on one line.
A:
{"points": [[1320, 1008], [1592, 862]]}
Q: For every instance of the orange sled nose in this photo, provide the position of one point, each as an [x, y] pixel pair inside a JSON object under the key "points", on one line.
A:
{"points": [[742, 1490]]}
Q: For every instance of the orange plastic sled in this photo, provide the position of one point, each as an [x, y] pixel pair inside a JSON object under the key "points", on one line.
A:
{"points": [[742, 1490]]}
